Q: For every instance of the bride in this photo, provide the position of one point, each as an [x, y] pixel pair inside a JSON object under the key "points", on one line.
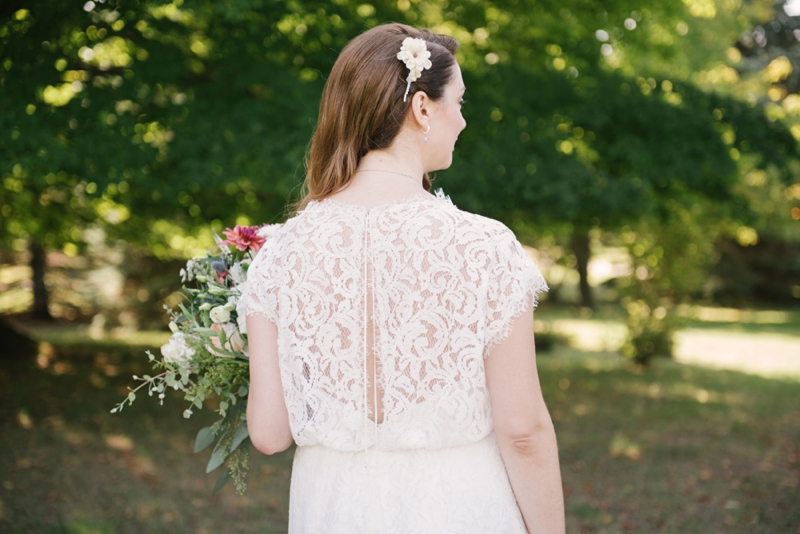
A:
{"points": [[391, 333]]}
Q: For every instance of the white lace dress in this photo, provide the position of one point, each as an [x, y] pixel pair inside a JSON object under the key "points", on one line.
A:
{"points": [[385, 316]]}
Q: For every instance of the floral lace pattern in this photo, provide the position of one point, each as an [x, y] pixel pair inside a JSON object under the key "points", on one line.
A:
{"points": [[385, 315]]}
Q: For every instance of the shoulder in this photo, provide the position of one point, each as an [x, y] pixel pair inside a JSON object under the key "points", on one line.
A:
{"points": [[492, 230]]}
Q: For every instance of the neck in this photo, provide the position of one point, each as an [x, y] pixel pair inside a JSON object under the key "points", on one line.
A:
{"points": [[392, 161]]}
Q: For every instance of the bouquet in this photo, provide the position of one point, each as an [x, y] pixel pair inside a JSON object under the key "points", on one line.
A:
{"points": [[207, 356]]}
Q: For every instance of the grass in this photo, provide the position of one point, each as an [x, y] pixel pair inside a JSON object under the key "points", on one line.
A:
{"points": [[675, 448], [763, 342]]}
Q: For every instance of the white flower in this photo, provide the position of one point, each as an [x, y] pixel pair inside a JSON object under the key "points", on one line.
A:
{"points": [[236, 273], [173, 326], [188, 273], [177, 350], [414, 53], [268, 230], [220, 315], [187, 413], [231, 304]]}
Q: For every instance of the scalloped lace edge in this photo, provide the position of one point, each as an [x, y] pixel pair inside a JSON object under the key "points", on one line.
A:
{"points": [[534, 285]]}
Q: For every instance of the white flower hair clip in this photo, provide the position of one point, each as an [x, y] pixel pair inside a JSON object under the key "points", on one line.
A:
{"points": [[414, 53]]}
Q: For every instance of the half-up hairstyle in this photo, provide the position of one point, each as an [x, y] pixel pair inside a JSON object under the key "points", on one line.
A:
{"points": [[362, 106]]}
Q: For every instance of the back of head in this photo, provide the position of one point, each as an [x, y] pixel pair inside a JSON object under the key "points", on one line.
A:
{"points": [[362, 105]]}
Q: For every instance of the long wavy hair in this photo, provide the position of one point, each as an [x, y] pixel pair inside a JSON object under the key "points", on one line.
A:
{"points": [[362, 106]]}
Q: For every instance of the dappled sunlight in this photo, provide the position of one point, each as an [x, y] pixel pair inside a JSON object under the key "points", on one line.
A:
{"points": [[670, 435], [119, 442], [16, 289], [591, 335], [680, 391], [734, 315], [593, 361], [81, 334], [773, 355], [760, 342], [16, 300], [622, 446]]}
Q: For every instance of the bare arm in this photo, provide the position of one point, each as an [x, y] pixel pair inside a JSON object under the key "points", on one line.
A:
{"points": [[267, 416], [524, 429]]}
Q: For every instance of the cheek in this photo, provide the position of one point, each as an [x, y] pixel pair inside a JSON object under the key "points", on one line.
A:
{"points": [[456, 118]]}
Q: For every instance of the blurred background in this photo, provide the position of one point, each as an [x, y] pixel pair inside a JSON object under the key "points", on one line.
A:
{"points": [[646, 154]]}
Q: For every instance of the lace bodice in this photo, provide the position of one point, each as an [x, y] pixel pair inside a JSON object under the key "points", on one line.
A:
{"points": [[408, 296]]}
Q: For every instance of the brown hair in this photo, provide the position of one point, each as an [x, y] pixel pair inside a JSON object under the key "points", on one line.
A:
{"points": [[362, 106]]}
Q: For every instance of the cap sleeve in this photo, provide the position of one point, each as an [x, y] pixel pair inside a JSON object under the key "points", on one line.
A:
{"points": [[259, 292], [513, 277]]}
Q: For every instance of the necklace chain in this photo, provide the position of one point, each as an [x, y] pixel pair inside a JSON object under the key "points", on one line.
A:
{"points": [[392, 172]]}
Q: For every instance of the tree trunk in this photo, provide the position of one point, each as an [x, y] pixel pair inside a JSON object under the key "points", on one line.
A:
{"points": [[580, 247], [40, 297]]}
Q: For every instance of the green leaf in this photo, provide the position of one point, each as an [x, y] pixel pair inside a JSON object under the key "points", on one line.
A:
{"points": [[218, 457], [204, 438], [222, 480], [223, 337], [131, 396], [240, 435]]}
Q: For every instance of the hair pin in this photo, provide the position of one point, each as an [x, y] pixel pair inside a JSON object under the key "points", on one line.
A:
{"points": [[415, 54]]}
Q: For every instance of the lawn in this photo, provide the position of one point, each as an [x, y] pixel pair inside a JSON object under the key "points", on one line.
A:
{"points": [[676, 448]]}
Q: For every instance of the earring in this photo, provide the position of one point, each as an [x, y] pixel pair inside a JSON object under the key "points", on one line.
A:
{"points": [[426, 133]]}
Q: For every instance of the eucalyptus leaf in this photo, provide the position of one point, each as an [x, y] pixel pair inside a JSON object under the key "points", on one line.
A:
{"points": [[218, 457], [204, 438], [239, 436], [222, 480]]}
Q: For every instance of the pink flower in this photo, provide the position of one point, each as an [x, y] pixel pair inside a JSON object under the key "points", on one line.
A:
{"points": [[235, 342], [244, 237]]}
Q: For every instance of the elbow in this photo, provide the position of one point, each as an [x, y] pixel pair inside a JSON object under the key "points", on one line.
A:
{"points": [[528, 440], [525, 445], [271, 448], [270, 443]]}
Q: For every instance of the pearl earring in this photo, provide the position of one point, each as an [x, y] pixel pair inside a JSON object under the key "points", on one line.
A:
{"points": [[426, 133]]}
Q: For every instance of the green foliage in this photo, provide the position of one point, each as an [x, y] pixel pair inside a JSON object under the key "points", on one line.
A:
{"points": [[670, 261], [195, 112], [650, 332], [157, 120], [232, 447]]}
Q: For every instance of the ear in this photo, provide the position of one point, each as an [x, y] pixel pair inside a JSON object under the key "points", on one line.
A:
{"points": [[421, 109]]}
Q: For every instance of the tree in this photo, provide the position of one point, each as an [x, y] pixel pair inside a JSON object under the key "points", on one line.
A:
{"points": [[157, 120]]}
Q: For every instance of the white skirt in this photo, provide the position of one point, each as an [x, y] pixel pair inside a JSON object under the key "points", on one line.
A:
{"points": [[458, 490]]}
